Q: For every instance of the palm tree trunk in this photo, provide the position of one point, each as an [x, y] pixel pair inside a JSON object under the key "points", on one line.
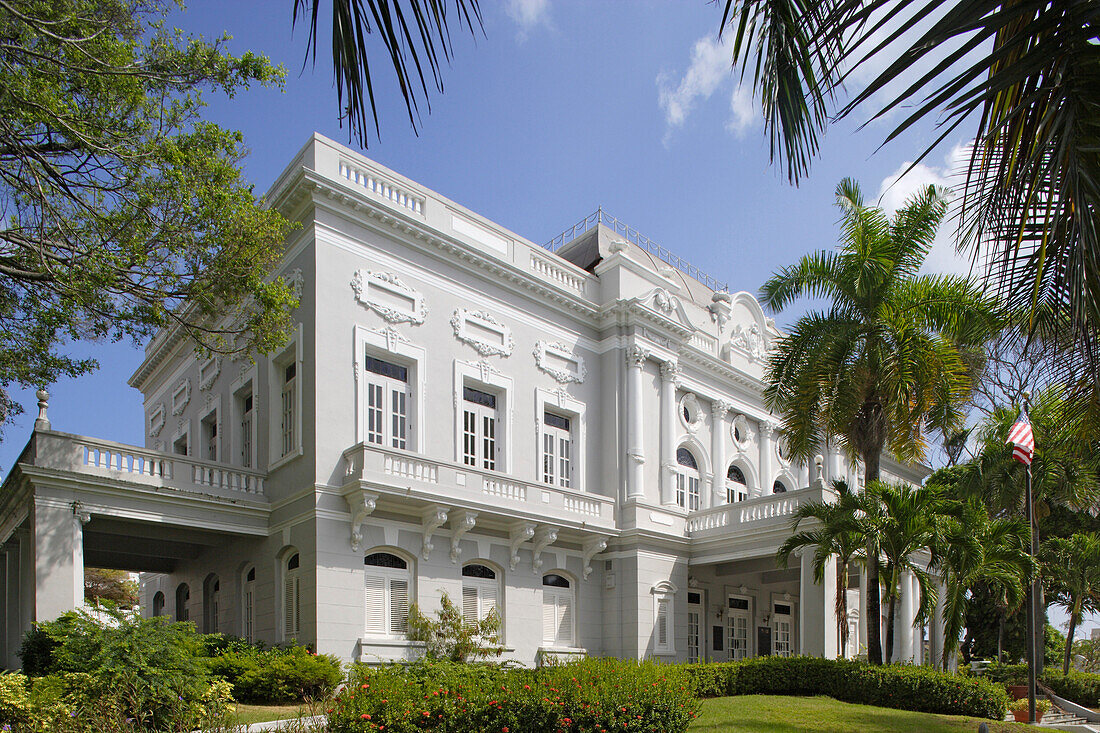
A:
{"points": [[874, 608], [842, 607], [1001, 636], [891, 611], [1069, 636]]}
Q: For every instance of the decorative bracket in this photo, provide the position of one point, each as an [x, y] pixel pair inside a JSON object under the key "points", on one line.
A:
{"points": [[592, 547], [361, 504], [431, 520], [520, 533], [461, 522], [544, 537], [82, 515]]}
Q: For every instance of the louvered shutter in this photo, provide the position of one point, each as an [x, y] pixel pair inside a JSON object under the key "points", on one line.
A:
{"points": [[549, 617], [399, 606], [469, 604], [374, 604], [291, 605], [565, 625], [488, 599], [662, 623]]}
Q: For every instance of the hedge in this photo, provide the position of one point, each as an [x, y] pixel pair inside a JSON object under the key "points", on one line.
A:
{"points": [[920, 689], [589, 695], [277, 675], [1082, 688]]}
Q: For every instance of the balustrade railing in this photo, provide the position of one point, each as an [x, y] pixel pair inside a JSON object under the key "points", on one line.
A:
{"points": [[743, 514]]}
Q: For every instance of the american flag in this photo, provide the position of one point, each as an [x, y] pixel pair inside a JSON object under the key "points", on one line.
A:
{"points": [[1022, 440]]}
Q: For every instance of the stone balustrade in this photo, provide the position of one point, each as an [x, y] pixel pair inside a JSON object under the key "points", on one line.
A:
{"points": [[743, 516]]}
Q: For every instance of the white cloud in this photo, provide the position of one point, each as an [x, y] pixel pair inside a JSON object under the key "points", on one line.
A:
{"points": [[900, 185], [708, 71], [528, 14]]}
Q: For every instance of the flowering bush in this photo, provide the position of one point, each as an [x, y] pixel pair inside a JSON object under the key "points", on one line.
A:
{"points": [[278, 674], [589, 696]]}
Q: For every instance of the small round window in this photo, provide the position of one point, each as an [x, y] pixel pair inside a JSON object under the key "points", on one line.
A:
{"points": [[783, 450], [691, 412], [741, 433]]}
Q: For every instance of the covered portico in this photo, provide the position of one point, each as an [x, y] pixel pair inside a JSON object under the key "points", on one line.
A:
{"points": [[72, 501]]}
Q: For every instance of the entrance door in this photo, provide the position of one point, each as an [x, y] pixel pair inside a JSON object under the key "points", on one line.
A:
{"points": [[738, 622], [782, 623], [695, 626]]}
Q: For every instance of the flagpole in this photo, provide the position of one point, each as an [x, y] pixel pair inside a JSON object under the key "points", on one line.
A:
{"points": [[1032, 593]]}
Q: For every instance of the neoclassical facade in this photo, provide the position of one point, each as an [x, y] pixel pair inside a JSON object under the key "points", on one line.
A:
{"points": [[571, 434]]}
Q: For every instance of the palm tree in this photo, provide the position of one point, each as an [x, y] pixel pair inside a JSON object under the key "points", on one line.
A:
{"points": [[973, 550], [891, 358], [1071, 568], [904, 520], [1024, 71], [837, 533]]}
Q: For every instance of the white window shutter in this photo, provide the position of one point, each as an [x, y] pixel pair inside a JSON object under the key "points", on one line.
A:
{"points": [[662, 623], [399, 606], [488, 599], [375, 604], [469, 604], [549, 617], [565, 627]]}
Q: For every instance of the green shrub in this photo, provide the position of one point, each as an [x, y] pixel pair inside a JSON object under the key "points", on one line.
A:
{"points": [[920, 689], [1006, 674], [587, 695], [1082, 688], [277, 675]]}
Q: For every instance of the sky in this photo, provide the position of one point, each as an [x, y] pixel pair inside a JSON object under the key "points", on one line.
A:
{"points": [[557, 108]]}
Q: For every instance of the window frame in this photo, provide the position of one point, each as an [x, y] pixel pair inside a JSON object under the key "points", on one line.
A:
{"points": [[685, 494], [495, 584], [213, 410], [292, 354], [731, 484], [566, 406], [184, 432], [743, 613], [387, 576], [390, 346], [664, 612], [557, 593], [248, 601], [483, 377], [289, 575], [246, 384], [792, 617]]}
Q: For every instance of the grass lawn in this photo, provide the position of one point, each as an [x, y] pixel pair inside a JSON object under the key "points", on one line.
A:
{"points": [[774, 714], [249, 714]]}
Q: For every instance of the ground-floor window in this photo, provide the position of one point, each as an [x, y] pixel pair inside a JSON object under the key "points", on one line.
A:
{"points": [[782, 622], [386, 598], [737, 625], [695, 621], [557, 610]]}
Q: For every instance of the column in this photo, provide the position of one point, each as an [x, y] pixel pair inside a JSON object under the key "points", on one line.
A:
{"points": [[768, 432], [817, 634], [58, 584], [718, 410], [935, 631], [863, 619], [635, 359], [903, 633], [12, 615], [805, 475], [5, 617], [670, 374]]}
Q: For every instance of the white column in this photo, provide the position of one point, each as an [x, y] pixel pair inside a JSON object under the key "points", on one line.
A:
{"points": [[817, 633], [635, 458], [58, 560], [5, 617], [805, 475], [903, 632], [935, 631], [718, 410], [670, 373], [768, 431], [26, 579], [863, 619]]}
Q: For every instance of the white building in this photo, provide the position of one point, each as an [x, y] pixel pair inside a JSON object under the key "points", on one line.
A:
{"points": [[572, 433]]}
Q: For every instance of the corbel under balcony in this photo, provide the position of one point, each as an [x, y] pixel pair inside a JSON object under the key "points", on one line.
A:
{"points": [[431, 519], [591, 548], [361, 504], [517, 535], [544, 537], [462, 521]]}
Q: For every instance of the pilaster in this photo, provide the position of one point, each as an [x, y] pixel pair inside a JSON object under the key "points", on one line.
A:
{"points": [[636, 358], [718, 411], [670, 379]]}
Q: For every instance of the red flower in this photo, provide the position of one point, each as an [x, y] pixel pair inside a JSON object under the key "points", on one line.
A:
{"points": [[365, 716]]}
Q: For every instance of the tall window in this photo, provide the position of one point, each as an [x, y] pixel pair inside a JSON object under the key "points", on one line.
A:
{"points": [[737, 625], [736, 487], [782, 622], [289, 406], [480, 592], [179, 445], [210, 436], [663, 618], [479, 429], [183, 595], [557, 610], [386, 593], [292, 598], [211, 600], [687, 480], [245, 402], [695, 624], [388, 401], [557, 450], [249, 606], [158, 604]]}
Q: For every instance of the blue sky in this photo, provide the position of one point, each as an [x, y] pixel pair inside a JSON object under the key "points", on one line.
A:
{"points": [[560, 107]]}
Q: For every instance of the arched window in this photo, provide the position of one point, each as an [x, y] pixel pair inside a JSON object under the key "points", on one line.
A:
{"points": [[480, 592], [158, 603], [737, 488], [778, 487], [248, 606], [386, 584], [183, 595], [687, 480], [292, 597], [557, 610], [211, 598]]}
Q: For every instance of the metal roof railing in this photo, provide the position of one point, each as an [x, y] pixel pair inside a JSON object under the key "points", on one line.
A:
{"points": [[599, 216]]}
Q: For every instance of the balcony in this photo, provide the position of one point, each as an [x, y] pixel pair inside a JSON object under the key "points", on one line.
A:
{"points": [[752, 515], [161, 472], [402, 473]]}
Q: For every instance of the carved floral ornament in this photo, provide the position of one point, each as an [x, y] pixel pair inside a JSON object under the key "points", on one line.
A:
{"points": [[181, 395], [209, 371], [385, 294], [691, 413], [749, 340], [742, 432], [296, 281], [483, 332], [560, 362], [156, 420]]}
